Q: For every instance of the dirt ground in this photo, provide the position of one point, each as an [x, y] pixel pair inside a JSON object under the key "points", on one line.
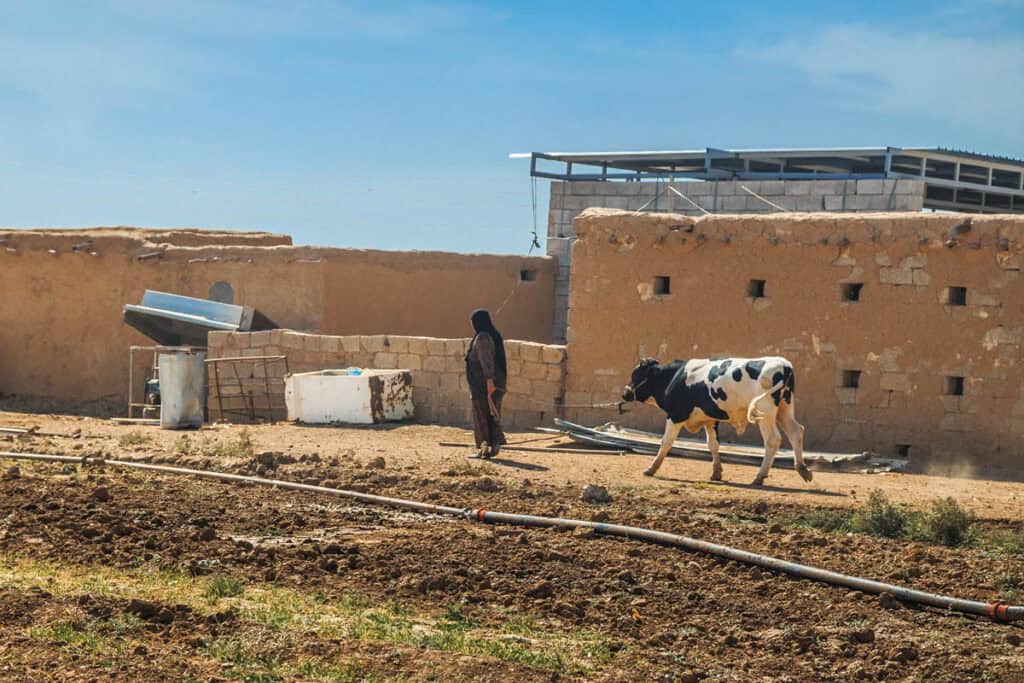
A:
{"points": [[112, 574]]}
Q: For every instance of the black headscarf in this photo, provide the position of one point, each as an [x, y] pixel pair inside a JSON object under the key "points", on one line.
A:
{"points": [[481, 320]]}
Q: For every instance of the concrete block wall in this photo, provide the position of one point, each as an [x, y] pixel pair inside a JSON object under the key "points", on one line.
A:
{"points": [[440, 394], [569, 199]]}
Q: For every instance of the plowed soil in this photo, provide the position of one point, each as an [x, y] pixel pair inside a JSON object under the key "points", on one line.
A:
{"points": [[111, 574]]}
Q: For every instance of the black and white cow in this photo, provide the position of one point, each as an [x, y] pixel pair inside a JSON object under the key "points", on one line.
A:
{"points": [[702, 392]]}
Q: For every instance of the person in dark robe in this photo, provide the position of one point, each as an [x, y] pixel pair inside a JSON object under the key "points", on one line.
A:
{"points": [[486, 374]]}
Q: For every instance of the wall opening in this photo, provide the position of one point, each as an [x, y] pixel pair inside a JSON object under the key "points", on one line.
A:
{"points": [[662, 285], [903, 450], [851, 290], [527, 275], [755, 289], [954, 386], [222, 292], [851, 379], [956, 296]]}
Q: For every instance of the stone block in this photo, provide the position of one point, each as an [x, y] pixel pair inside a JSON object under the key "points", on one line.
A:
{"points": [[915, 261], [449, 383], [534, 371], [828, 187], [293, 340], [385, 360], [351, 344], [373, 343], [514, 366], [529, 351], [811, 203], [409, 361], [733, 203], [217, 339], [398, 344], [553, 354], [866, 187], [418, 345], [770, 188], [455, 364], [435, 347], [330, 344], [426, 380], [554, 373], [907, 186], [975, 298], [261, 338], [797, 188], [454, 347], [834, 203], [882, 202], [895, 276], [433, 364], [921, 278]]}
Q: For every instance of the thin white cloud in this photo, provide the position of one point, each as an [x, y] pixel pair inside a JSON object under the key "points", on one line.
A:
{"points": [[967, 81]]}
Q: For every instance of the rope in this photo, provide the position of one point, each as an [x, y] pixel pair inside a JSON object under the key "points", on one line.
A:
{"points": [[534, 244], [744, 187], [695, 204]]}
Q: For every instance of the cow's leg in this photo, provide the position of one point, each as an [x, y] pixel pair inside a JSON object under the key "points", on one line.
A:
{"points": [[772, 441], [671, 432], [795, 432], [716, 463]]}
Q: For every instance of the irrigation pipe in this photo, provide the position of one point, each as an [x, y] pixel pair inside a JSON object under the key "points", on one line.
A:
{"points": [[999, 611]]}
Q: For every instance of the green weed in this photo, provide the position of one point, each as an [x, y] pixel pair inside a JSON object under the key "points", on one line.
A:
{"points": [[218, 587], [881, 517]]}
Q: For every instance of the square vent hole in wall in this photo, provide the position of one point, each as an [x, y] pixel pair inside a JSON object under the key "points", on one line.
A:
{"points": [[956, 296], [662, 285], [903, 450], [755, 289], [527, 275], [851, 291], [954, 386], [851, 379]]}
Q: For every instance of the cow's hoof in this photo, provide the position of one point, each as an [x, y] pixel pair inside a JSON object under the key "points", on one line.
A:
{"points": [[758, 482], [649, 473], [805, 473], [716, 476]]}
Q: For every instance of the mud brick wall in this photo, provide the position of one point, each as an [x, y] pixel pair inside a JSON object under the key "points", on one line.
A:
{"points": [[440, 394], [569, 199], [62, 293], [933, 342]]}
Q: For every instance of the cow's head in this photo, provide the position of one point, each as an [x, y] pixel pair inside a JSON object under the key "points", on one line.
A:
{"points": [[639, 387]]}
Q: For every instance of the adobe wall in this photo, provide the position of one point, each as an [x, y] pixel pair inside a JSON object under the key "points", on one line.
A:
{"points": [[903, 335], [433, 293], [569, 199], [440, 393], [61, 329]]}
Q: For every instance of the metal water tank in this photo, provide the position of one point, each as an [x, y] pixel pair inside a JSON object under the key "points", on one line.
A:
{"points": [[182, 389]]}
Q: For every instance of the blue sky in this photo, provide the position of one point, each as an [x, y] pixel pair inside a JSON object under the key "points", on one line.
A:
{"points": [[388, 125]]}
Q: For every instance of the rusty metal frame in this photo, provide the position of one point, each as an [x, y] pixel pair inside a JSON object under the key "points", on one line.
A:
{"points": [[221, 380]]}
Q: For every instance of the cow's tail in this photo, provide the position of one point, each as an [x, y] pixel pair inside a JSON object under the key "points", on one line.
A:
{"points": [[754, 411]]}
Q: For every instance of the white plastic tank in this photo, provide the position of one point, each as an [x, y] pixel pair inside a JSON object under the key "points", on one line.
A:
{"points": [[182, 389]]}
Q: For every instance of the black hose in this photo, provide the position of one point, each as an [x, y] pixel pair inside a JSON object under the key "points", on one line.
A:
{"points": [[999, 610]]}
